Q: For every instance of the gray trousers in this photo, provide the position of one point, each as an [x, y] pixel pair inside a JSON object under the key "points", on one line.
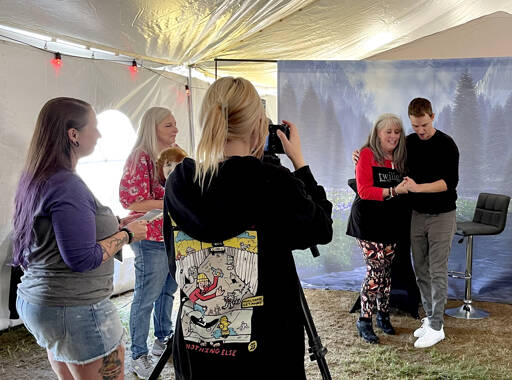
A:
{"points": [[431, 241]]}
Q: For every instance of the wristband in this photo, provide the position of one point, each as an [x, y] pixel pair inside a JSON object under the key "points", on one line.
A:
{"points": [[130, 234], [393, 191]]}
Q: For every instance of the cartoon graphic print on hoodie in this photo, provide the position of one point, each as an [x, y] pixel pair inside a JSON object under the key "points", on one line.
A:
{"points": [[231, 254], [220, 281]]}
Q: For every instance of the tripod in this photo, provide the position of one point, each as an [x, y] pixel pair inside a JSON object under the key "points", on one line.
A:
{"points": [[162, 360], [316, 350]]}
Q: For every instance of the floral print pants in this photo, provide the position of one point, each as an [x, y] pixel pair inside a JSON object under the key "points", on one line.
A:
{"points": [[376, 286]]}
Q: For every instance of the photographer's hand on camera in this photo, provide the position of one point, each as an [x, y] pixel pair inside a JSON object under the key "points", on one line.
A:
{"points": [[292, 147]]}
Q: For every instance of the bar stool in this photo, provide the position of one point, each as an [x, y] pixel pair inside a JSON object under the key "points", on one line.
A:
{"points": [[489, 219]]}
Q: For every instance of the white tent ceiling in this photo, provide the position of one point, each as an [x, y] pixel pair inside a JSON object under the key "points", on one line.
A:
{"points": [[195, 32]]}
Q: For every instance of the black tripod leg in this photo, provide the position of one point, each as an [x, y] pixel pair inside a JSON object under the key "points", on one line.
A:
{"points": [[317, 351], [162, 361], [356, 306]]}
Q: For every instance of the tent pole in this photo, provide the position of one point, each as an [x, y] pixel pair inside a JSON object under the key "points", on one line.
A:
{"points": [[190, 113], [215, 60]]}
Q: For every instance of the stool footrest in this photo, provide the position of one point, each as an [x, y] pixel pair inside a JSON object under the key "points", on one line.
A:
{"points": [[463, 275]]}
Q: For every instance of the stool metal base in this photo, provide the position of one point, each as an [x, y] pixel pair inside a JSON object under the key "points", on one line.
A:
{"points": [[466, 311]]}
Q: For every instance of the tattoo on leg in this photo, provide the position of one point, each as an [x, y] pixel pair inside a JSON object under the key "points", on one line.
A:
{"points": [[111, 367]]}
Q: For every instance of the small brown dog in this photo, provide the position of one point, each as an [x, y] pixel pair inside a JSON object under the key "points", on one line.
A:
{"points": [[167, 161]]}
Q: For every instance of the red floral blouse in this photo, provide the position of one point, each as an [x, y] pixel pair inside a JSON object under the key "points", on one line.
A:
{"points": [[139, 183]]}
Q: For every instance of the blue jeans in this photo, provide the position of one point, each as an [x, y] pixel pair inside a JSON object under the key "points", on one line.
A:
{"points": [[154, 287]]}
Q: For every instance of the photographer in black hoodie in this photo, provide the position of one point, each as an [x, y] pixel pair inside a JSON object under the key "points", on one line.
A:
{"points": [[231, 223]]}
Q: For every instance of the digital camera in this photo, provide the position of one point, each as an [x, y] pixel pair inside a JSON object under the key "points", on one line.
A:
{"points": [[274, 144]]}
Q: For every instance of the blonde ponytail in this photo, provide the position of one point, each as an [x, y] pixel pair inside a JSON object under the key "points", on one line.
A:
{"points": [[210, 150], [231, 110]]}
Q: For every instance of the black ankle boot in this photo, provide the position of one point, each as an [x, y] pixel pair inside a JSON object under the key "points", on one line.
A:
{"points": [[365, 328], [384, 323]]}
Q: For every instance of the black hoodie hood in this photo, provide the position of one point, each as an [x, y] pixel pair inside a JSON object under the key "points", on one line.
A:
{"points": [[221, 210]]}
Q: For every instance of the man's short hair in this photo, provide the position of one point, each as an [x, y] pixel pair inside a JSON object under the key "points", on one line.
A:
{"points": [[419, 107]]}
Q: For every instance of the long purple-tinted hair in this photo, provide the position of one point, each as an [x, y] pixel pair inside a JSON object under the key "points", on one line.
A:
{"points": [[50, 150]]}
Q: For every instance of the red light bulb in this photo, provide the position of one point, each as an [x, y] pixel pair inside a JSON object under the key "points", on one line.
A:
{"points": [[57, 61], [133, 67]]}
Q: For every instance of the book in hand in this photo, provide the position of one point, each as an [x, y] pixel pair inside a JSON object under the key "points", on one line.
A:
{"points": [[151, 215]]}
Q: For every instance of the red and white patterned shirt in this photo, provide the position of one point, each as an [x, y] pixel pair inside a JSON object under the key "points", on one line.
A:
{"points": [[139, 183]]}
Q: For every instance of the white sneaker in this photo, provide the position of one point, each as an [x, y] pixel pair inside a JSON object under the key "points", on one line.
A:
{"points": [[430, 338], [158, 347], [418, 333], [142, 366]]}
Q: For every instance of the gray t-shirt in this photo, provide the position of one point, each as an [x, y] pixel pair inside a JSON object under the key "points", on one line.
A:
{"points": [[65, 263]]}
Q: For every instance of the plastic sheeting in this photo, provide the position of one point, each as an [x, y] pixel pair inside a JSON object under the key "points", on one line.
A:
{"points": [[29, 80], [194, 32], [335, 104]]}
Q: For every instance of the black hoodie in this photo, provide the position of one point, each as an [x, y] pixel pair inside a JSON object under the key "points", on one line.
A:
{"points": [[229, 249]]}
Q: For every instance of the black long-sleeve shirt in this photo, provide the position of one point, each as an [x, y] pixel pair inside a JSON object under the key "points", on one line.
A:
{"points": [[429, 161]]}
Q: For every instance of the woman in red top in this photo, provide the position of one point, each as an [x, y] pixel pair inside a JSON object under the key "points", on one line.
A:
{"points": [[376, 218], [141, 190]]}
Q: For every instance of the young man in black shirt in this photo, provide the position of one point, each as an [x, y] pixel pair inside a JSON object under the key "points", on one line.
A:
{"points": [[433, 163]]}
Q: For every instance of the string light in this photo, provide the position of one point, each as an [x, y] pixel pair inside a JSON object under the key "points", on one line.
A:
{"points": [[57, 61], [133, 67]]}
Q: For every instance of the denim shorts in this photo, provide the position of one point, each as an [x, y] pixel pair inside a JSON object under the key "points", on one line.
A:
{"points": [[74, 334]]}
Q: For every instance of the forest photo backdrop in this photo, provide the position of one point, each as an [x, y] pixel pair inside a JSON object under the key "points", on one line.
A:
{"points": [[335, 104]]}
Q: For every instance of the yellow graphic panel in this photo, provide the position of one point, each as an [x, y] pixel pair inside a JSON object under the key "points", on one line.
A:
{"points": [[247, 241], [185, 245]]}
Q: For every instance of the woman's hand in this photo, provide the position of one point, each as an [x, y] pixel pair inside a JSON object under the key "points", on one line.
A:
{"points": [[113, 244], [123, 222], [411, 185], [292, 146], [139, 229], [355, 156], [401, 187]]}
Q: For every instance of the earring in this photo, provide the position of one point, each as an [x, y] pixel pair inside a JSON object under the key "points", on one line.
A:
{"points": [[76, 143]]}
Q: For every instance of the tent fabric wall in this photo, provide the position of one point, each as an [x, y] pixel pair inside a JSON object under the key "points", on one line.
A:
{"points": [[193, 33], [28, 80]]}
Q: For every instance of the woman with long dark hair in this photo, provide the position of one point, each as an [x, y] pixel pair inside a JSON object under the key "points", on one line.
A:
{"points": [[65, 241]]}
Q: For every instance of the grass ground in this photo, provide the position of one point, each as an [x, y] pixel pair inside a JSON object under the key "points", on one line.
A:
{"points": [[472, 350]]}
